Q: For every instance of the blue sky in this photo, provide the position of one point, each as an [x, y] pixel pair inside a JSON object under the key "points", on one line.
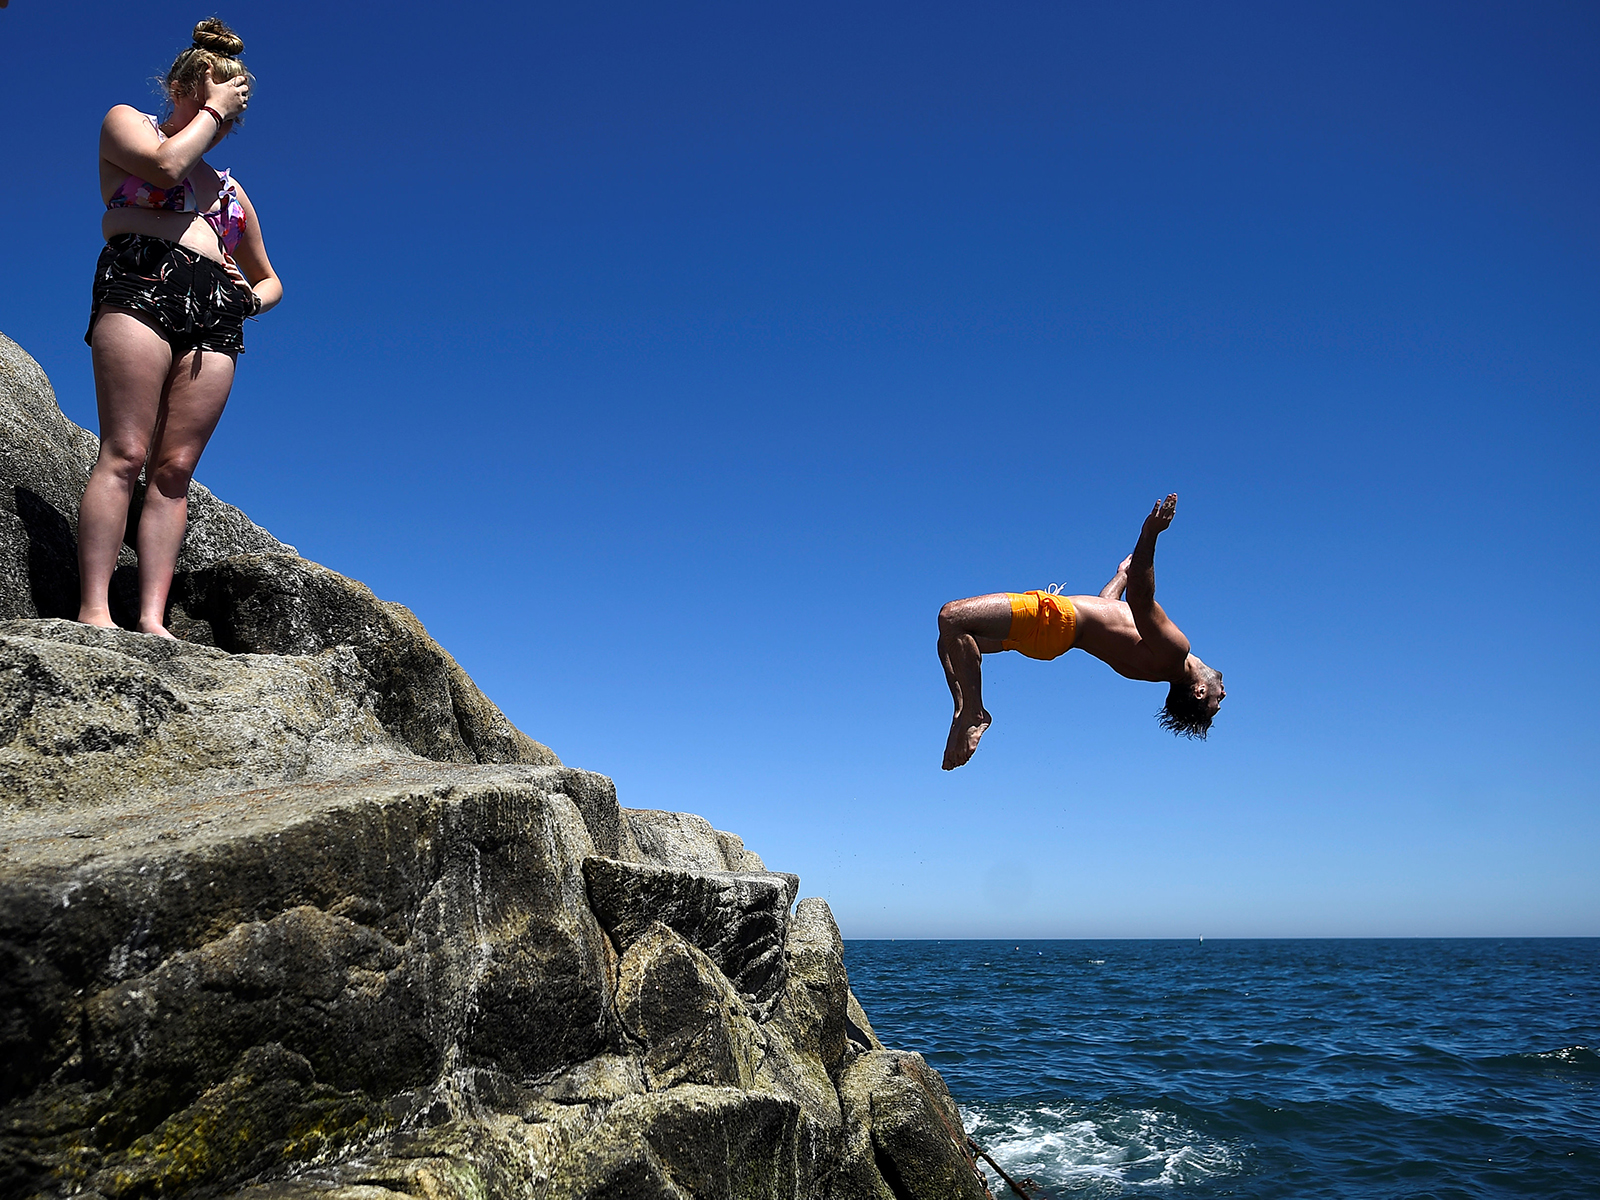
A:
{"points": [[675, 363]]}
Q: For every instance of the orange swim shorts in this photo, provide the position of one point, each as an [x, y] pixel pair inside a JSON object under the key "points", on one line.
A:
{"points": [[1043, 625]]}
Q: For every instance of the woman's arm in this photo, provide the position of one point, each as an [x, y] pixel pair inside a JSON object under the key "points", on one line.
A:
{"points": [[128, 142], [251, 255]]}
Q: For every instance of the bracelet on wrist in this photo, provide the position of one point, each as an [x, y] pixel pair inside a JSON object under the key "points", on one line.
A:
{"points": [[206, 108]]}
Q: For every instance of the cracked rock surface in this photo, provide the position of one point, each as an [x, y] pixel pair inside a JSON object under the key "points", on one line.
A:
{"points": [[289, 910]]}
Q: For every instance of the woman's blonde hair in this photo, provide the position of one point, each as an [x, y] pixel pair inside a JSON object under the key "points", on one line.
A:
{"points": [[216, 49]]}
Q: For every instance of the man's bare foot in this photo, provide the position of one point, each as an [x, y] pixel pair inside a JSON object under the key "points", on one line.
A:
{"points": [[962, 743], [157, 631], [98, 620]]}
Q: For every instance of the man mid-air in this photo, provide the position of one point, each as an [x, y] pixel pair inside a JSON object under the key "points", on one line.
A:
{"points": [[1136, 639]]}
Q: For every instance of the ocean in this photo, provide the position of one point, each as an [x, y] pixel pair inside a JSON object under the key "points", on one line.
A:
{"points": [[1348, 1069]]}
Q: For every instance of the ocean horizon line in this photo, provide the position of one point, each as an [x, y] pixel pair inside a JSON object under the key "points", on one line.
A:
{"points": [[1310, 937]]}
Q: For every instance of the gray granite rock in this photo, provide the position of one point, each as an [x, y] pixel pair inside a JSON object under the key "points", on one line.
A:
{"points": [[734, 855], [690, 1023], [90, 716], [284, 604], [906, 1130], [812, 1010], [680, 840], [290, 911], [401, 970], [268, 1112], [692, 1143], [44, 465], [389, 929], [861, 1034], [740, 919], [803, 1052], [596, 798], [598, 1080]]}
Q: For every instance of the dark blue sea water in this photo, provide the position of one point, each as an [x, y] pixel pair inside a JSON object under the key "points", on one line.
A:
{"points": [[1354, 1070]]}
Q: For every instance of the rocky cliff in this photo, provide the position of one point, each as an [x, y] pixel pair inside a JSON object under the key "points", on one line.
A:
{"points": [[289, 909]]}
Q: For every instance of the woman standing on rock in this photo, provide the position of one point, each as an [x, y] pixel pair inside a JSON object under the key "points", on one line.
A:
{"points": [[184, 265]]}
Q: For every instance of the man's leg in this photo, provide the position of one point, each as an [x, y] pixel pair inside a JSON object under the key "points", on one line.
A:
{"points": [[969, 629], [1119, 581]]}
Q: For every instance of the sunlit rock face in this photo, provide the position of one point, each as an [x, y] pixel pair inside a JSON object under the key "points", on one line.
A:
{"points": [[289, 909]]}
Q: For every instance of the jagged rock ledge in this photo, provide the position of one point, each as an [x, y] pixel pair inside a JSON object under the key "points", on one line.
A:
{"points": [[291, 910]]}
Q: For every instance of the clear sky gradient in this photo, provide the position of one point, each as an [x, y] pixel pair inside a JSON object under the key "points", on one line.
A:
{"points": [[675, 362]]}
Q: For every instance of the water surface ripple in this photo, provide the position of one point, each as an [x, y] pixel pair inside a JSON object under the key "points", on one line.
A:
{"points": [[1450, 1068]]}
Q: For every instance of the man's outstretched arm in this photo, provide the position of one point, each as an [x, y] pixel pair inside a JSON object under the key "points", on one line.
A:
{"points": [[1161, 637]]}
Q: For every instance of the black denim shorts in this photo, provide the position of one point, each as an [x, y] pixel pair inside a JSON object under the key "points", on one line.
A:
{"points": [[196, 304]]}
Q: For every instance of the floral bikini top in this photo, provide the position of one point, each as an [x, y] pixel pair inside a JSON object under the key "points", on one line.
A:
{"points": [[228, 221]]}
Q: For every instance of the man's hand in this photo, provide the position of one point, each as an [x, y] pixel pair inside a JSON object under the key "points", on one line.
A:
{"points": [[1161, 516]]}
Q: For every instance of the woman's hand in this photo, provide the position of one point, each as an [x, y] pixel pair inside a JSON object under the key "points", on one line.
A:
{"points": [[251, 253], [229, 98], [235, 274]]}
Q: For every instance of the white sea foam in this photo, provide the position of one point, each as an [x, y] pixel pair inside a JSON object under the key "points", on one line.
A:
{"points": [[1098, 1150]]}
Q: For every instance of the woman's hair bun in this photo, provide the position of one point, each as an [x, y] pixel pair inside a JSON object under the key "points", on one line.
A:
{"points": [[215, 36]]}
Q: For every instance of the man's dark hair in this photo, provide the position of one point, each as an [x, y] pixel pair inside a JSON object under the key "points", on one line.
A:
{"points": [[1183, 714]]}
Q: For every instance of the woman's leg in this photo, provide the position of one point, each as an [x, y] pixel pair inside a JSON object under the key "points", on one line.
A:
{"points": [[131, 365], [197, 390]]}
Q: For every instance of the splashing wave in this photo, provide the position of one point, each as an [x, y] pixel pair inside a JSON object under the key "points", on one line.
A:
{"points": [[1098, 1150]]}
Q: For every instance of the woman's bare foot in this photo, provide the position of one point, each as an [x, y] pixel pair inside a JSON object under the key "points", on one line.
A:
{"points": [[100, 620], [963, 741], [156, 630]]}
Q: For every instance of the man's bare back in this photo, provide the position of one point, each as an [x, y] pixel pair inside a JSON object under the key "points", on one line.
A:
{"points": [[1134, 637]]}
